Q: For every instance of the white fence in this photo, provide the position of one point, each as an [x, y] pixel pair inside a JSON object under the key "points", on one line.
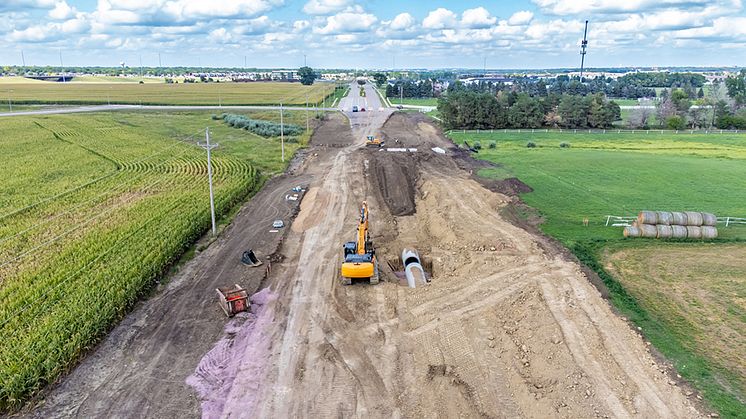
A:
{"points": [[622, 221]]}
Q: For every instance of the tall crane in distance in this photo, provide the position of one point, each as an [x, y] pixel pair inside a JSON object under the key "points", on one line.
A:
{"points": [[583, 46]]}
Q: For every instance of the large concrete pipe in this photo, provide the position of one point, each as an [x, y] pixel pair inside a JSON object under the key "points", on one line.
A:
{"points": [[413, 268]]}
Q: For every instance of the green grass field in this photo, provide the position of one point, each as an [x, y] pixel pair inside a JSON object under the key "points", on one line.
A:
{"points": [[693, 298], [621, 174], [424, 101], [258, 93], [93, 209]]}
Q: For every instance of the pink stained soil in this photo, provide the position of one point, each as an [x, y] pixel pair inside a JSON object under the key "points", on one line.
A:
{"points": [[238, 359]]}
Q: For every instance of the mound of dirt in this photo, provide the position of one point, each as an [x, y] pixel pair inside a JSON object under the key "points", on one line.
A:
{"points": [[393, 177]]}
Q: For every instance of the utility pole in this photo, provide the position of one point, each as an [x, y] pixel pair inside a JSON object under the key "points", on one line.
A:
{"points": [[306, 112], [10, 105], [159, 60], [24, 60], [401, 93], [244, 63], [207, 146], [62, 67], [583, 46], [282, 134]]}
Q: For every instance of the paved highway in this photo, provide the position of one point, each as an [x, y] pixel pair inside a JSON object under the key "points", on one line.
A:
{"points": [[107, 108]]}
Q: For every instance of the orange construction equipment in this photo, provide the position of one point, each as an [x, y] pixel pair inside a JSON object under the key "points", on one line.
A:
{"points": [[233, 300], [359, 256], [372, 141]]}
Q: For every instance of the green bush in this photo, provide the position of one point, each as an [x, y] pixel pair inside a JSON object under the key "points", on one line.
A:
{"points": [[531, 144], [493, 144], [564, 144], [676, 122], [260, 127], [477, 145]]}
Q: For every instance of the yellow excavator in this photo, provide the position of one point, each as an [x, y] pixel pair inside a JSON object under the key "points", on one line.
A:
{"points": [[359, 256], [372, 141]]}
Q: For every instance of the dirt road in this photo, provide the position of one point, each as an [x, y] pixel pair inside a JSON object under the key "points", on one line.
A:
{"points": [[507, 327]]}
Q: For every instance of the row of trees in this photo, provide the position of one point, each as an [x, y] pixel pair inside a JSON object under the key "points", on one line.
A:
{"points": [[724, 107], [421, 88], [473, 110]]}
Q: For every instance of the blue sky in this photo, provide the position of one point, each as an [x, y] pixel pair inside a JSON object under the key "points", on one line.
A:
{"points": [[373, 33]]}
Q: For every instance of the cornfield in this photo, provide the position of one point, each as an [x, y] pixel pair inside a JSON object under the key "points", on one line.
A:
{"points": [[94, 212]]}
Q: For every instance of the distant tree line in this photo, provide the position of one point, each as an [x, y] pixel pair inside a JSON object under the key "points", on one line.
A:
{"points": [[631, 86], [421, 88], [476, 110]]}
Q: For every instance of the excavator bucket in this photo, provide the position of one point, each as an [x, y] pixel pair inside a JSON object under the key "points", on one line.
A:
{"points": [[249, 258]]}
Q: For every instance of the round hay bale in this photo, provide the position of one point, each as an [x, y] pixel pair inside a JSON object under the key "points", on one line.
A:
{"points": [[678, 218], [678, 232], [709, 232], [649, 231], [693, 232], [709, 219], [693, 218], [631, 231], [664, 217], [647, 217], [664, 231]]}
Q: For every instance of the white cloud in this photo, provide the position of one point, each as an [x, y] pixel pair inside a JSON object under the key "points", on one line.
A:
{"points": [[440, 18], [521, 18], [568, 7], [346, 22], [325, 7], [401, 22], [477, 18], [163, 12], [20, 5], [61, 11], [723, 28], [301, 25]]}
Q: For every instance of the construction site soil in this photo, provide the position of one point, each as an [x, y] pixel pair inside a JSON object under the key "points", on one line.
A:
{"points": [[508, 327]]}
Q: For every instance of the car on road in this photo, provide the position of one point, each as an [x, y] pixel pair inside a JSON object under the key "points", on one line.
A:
{"points": [[362, 109], [278, 224], [399, 107], [354, 109]]}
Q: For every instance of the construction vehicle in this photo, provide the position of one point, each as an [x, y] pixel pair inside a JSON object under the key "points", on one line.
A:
{"points": [[233, 300], [359, 256], [372, 141]]}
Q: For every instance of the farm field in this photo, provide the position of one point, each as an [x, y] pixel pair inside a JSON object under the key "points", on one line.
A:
{"points": [[621, 174], [94, 209], [694, 298], [258, 93]]}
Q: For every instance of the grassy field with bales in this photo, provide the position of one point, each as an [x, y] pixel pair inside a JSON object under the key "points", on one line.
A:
{"points": [[76, 93], [94, 209], [683, 295]]}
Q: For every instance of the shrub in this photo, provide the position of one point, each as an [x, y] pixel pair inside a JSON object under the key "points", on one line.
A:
{"points": [[261, 127], [676, 122], [564, 145], [531, 144], [477, 145], [493, 144]]}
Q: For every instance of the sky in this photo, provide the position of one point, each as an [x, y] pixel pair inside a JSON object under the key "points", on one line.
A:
{"points": [[373, 34]]}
